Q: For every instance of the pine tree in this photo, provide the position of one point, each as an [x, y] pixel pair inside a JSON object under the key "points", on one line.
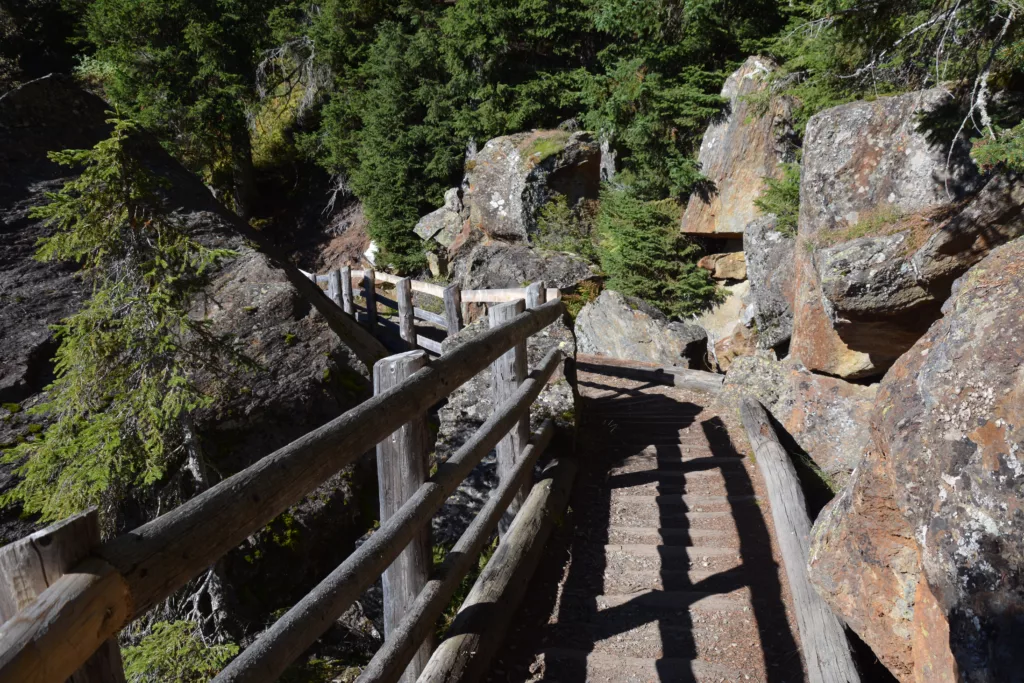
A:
{"points": [[644, 255], [125, 388]]}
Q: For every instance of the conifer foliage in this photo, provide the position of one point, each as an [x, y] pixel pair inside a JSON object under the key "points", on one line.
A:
{"points": [[124, 391]]}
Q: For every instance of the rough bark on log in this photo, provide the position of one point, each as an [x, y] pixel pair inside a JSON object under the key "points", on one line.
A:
{"points": [[346, 290], [480, 626], [406, 318], [453, 308], [823, 641], [507, 373]]}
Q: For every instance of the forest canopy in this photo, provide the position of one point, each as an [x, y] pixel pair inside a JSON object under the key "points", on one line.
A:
{"points": [[387, 96]]}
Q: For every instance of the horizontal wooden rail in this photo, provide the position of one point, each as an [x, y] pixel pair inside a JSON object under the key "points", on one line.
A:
{"points": [[299, 628], [135, 571], [474, 296], [479, 628], [434, 318], [391, 659]]}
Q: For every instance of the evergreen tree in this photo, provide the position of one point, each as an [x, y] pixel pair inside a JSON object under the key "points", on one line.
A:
{"points": [[125, 385], [644, 255]]}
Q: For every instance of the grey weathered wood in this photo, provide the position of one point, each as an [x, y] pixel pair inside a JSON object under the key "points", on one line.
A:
{"points": [[536, 294], [406, 317], [507, 373], [401, 470], [429, 344], [430, 317], [389, 661], [479, 628], [346, 290], [334, 286], [453, 308], [317, 611], [370, 294], [486, 296], [144, 566], [695, 380], [32, 564], [822, 639]]}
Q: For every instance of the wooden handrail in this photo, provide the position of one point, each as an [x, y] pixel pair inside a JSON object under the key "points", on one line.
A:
{"points": [[131, 573], [476, 296], [391, 659], [299, 628]]}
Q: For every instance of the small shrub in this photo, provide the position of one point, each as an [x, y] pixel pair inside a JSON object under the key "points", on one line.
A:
{"points": [[781, 196], [586, 291], [562, 228]]}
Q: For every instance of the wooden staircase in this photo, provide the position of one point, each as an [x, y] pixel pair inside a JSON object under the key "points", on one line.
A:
{"points": [[670, 573]]}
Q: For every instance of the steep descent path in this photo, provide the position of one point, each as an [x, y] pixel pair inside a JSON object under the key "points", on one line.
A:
{"points": [[669, 571]]}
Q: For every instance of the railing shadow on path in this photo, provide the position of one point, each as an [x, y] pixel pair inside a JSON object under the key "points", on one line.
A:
{"points": [[658, 421]]}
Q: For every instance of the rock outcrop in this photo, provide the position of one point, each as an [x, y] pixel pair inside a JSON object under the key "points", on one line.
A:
{"points": [[867, 166], [445, 224], [948, 425], [827, 417], [512, 177], [499, 265], [769, 256], [730, 266], [628, 328], [738, 152]]}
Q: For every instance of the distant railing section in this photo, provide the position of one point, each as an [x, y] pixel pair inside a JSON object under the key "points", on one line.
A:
{"points": [[64, 595], [338, 284]]}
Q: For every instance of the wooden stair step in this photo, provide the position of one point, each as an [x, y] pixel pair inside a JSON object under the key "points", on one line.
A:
{"points": [[565, 666], [635, 535], [694, 579], [668, 557], [623, 513], [685, 503], [701, 484]]}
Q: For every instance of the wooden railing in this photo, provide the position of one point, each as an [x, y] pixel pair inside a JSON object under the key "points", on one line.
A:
{"points": [[339, 286], [56, 625]]}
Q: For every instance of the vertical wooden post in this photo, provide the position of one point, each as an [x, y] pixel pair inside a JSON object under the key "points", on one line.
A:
{"points": [[334, 286], [406, 316], [28, 567], [370, 294], [453, 308], [507, 373], [536, 294], [346, 290], [401, 469]]}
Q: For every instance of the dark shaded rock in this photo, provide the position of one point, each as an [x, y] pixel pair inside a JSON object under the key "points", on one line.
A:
{"points": [[471, 404], [738, 152], [769, 255], [500, 265], [863, 164], [629, 328], [512, 177]]}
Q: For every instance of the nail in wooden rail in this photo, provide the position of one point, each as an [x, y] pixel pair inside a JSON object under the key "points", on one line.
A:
{"points": [[401, 470], [30, 565], [507, 373]]}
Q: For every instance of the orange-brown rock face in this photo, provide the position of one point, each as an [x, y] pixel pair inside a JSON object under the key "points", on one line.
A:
{"points": [[730, 266], [865, 164], [737, 153]]}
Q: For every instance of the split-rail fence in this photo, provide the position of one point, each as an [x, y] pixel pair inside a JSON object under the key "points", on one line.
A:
{"points": [[65, 594]]}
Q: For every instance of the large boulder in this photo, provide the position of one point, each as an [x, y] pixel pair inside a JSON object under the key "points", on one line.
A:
{"points": [[867, 166], [769, 256], [826, 416], [445, 224], [500, 265], [625, 327], [512, 177], [948, 425], [738, 152], [727, 266]]}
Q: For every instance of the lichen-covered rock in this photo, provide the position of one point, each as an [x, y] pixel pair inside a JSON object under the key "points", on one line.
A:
{"points": [[471, 404], [628, 328], [738, 152], [950, 416], [723, 320], [769, 257], [499, 265], [512, 177], [742, 342], [731, 266], [445, 224], [826, 416], [863, 164]]}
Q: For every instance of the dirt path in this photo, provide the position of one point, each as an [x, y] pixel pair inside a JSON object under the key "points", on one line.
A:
{"points": [[667, 570]]}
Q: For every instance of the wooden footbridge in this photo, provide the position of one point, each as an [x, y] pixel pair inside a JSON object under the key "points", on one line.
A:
{"points": [[667, 570]]}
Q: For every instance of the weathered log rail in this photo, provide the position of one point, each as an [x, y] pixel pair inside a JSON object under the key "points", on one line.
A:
{"points": [[94, 591], [339, 287]]}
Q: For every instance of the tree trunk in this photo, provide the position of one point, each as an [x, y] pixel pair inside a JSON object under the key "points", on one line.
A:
{"points": [[243, 173]]}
